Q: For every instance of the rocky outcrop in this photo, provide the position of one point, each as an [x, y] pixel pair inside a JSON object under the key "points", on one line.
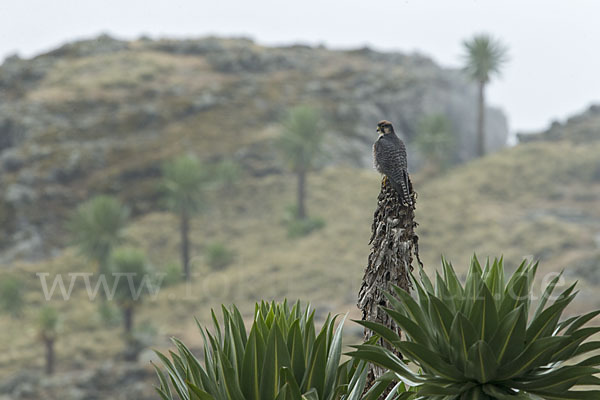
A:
{"points": [[580, 128]]}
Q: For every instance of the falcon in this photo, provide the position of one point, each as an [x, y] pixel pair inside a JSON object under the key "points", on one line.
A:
{"points": [[389, 154]]}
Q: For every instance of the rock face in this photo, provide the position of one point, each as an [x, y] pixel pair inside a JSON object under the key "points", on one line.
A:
{"points": [[581, 128], [101, 115]]}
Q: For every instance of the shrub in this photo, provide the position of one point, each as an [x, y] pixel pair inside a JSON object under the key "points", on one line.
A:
{"points": [[302, 227], [218, 256], [477, 341], [283, 357], [109, 314], [11, 295], [172, 273], [298, 227]]}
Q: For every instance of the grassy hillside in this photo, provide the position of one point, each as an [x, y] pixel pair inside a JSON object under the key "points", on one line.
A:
{"points": [[534, 200]]}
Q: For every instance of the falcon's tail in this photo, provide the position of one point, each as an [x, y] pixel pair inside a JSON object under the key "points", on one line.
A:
{"points": [[403, 188]]}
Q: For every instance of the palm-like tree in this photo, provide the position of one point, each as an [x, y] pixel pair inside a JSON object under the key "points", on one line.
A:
{"points": [[301, 143], [130, 273], [185, 181], [48, 327], [484, 58], [11, 295], [97, 227]]}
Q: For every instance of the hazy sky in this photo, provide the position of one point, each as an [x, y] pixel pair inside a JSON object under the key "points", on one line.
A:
{"points": [[554, 44]]}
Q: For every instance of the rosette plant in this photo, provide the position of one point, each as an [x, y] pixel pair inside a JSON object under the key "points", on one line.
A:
{"points": [[485, 340], [283, 357]]}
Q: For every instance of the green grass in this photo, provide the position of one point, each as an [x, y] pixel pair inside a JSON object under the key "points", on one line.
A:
{"points": [[218, 256]]}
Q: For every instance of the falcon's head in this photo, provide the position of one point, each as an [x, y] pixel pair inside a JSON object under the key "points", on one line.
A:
{"points": [[384, 127]]}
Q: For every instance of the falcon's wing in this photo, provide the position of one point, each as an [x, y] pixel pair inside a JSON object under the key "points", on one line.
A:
{"points": [[391, 158]]}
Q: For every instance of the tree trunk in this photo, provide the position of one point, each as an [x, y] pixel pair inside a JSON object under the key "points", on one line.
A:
{"points": [[49, 343], [128, 318], [481, 120], [393, 243], [301, 194], [185, 244]]}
